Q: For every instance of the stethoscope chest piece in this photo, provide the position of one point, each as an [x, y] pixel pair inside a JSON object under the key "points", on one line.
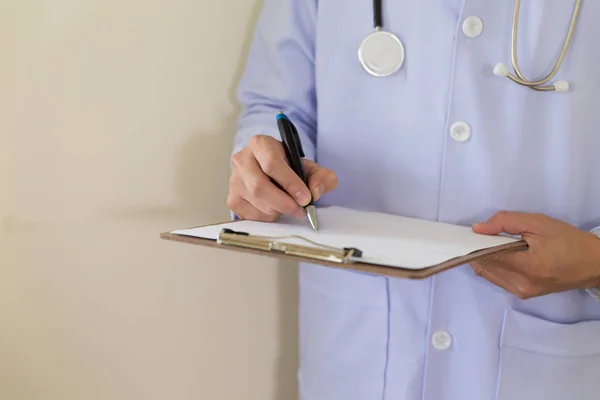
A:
{"points": [[381, 53]]}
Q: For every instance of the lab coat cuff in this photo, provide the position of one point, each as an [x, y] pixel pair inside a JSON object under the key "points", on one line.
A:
{"points": [[595, 292]]}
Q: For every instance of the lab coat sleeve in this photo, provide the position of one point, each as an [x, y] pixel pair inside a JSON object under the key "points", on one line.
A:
{"points": [[279, 74]]}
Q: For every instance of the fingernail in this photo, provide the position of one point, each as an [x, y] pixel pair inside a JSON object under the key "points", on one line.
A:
{"points": [[302, 198], [319, 189]]}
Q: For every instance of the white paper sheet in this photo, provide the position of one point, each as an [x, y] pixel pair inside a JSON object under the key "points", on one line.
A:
{"points": [[383, 239]]}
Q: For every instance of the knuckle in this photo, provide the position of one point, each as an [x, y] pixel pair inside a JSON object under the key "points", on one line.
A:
{"points": [[237, 159], [525, 291], [254, 140], [233, 201], [520, 292], [259, 141], [520, 296], [233, 180], [334, 181], [269, 165], [256, 186], [272, 217], [329, 179], [501, 214]]}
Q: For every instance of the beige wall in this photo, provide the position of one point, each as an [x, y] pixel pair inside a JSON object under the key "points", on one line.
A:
{"points": [[116, 122]]}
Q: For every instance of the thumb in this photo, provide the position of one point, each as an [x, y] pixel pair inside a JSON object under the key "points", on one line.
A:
{"points": [[512, 223], [320, 180]]}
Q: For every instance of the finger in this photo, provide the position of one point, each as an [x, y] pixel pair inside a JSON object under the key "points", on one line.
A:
{"points": [[262, 193], [320, 180], [271, 160], [244, 210], [500, 280], [513, 223], [239, 192], [515, 261], [511, 281]]}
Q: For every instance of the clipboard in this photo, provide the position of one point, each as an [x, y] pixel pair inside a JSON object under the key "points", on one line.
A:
{"points": [[292, 239]]}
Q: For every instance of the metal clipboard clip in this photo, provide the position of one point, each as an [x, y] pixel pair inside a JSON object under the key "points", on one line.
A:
{"points": [[275, 244]]}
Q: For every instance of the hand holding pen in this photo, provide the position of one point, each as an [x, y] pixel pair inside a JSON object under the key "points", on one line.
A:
{"points": [[294, 154], [263, 186]]}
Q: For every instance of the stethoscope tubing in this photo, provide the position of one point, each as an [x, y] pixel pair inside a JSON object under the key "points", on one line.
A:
{"points": [[500, 69], [518, 77], [377, 14]]}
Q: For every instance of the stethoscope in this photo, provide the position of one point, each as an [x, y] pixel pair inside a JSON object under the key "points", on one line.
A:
{"points": [[382, 53]]}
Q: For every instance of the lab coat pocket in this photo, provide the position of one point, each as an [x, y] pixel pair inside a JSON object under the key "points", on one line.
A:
{"points": [[546, 360], [343, 335]]}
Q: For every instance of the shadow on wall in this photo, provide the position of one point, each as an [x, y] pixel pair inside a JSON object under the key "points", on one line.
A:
{"points": [[202, 178], [203, 172]]}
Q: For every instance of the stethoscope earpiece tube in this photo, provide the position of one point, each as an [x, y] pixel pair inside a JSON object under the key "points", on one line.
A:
{"points": [[540, 85]]}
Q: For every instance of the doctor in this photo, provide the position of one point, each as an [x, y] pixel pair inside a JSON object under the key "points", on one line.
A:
{"points": [[430, 109]]}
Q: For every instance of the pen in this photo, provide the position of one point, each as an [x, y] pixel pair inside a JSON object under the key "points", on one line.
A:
{"points": [[294, 153]]}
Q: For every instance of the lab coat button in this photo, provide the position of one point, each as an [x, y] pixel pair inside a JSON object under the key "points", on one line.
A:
{"points": [[472, 27], [460, 131], [441, 340]]}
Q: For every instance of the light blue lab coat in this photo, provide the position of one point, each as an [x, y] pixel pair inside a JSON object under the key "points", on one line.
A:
{"points": [[391, 143]]}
